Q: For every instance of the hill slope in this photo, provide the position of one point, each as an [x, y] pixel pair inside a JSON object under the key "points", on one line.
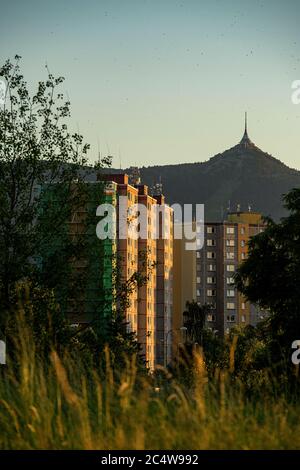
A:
{"points": [[242, 175]]}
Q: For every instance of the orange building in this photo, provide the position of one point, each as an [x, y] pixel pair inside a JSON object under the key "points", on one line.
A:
{"points": [[127, 246], [149, 311]]}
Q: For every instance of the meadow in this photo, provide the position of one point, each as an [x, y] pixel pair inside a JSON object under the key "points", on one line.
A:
{"points": [[62, 404]]}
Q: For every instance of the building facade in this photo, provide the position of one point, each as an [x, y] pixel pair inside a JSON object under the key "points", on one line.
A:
{"points": [[184, 286], [225, 247], [148, 253]]}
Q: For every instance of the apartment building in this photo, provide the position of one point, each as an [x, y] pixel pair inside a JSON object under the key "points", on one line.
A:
{"points": [[184, 286], [127, 257], [225, 247], [149, 311], [94, 296], [164, 281]]}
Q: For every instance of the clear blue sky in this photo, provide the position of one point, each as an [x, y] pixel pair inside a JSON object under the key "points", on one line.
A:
{"points": [[158, 82]]}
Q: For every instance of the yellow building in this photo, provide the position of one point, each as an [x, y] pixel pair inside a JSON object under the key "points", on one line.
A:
{"points": [[184, 286], [150, 307]]}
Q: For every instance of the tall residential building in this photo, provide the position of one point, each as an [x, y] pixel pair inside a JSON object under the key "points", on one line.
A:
{"points": [[87, 293], [127, 246], [164, 281], [184, 287], [147, 307], [225, 247], [149, 311]]}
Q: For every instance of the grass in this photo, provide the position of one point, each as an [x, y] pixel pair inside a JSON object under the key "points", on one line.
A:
{"points": [[62, 405]]}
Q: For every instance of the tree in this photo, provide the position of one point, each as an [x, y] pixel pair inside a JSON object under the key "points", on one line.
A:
{"points": [[194, 320], [270, 277], [36, 152], [43, 170]]}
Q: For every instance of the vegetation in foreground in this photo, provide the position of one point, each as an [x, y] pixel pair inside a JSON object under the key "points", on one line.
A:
{"points": [[60, 403]]}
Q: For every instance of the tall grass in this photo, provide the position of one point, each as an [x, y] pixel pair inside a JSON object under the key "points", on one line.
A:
{"points": [[61, 405]]}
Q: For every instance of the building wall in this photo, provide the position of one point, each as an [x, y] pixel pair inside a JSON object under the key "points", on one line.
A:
{"points": [[184, 288], [147, 292], [164, 282], [225, 247], [127, 252], [98, 261], [150, 307]]}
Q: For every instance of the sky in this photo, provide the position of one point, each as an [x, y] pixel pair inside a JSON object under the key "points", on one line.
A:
{"points": [[156, 82]]}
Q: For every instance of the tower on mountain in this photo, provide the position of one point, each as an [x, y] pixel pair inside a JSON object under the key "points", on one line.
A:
{"points": [[246, 142]]}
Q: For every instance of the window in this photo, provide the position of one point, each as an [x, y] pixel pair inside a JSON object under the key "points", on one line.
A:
{"points": [[211, 267], [211, 280], [210, 230], [230, 230], [211, 254], [230, 318], [230, 306], [229, 242], [230, 255], [230, 292], [230, 267], [242, 230], [243, 243], [198, 279], [211, 292], [243, 305], [211, 242], [243, 255], [198, 292], [198, 254], [211, 317], [229, 280], [243, 319]]}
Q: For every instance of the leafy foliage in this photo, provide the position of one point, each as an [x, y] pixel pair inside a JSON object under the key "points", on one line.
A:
{"points": [[270, 277]]}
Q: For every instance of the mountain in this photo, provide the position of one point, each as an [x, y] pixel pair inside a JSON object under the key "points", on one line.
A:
{"points": [[243, 175]]}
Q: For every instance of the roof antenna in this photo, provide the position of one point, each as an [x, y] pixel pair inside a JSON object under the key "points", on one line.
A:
{"points": [[246, 131]]}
